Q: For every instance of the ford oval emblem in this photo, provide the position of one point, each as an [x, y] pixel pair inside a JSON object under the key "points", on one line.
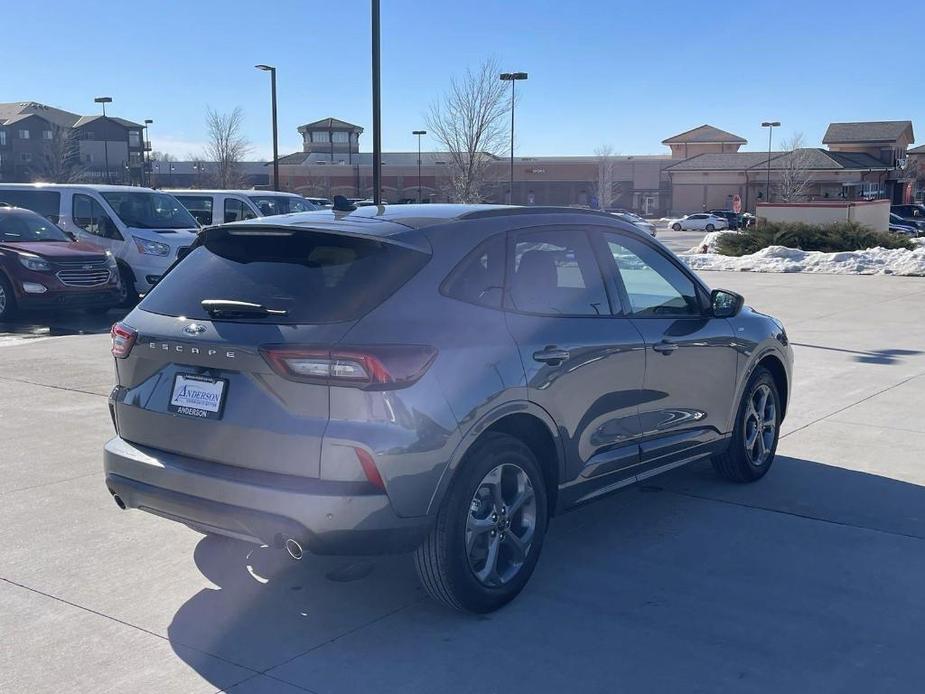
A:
{"points": [[194, 329]]}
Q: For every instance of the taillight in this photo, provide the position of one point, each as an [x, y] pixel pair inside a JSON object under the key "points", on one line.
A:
{"points": [[123, 339], [369, 366]]}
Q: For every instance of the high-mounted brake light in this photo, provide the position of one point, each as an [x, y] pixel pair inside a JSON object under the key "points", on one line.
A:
{"points": [[123, 339], [369, 366]]}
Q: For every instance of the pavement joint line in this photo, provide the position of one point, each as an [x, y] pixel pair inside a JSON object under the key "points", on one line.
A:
{"points": [[275, 679], [848, 407], [794, 514], [48, 385], [46, 484], [877, 426], [130, 625]]}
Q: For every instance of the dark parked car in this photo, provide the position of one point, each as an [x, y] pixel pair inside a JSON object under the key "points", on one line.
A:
{"points": [[41, 266], [898, 225], [436, 378], [734, 218], [910, 215]]}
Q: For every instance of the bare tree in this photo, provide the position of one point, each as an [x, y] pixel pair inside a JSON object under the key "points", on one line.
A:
{"points": [[794, 176], [605, 169], [468, 122], [157, 155], [60, 162], [227, 146]]}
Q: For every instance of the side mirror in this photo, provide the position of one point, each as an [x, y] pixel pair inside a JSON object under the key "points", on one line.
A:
{"points": [[726, 304]]}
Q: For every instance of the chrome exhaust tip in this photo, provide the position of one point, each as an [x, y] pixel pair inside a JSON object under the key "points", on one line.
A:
{"points": [[294, 549]]}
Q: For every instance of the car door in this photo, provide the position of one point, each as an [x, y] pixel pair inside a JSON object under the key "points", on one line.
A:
{"points": [[696, 221], [93, 224], [691, 359], [581, 365]]}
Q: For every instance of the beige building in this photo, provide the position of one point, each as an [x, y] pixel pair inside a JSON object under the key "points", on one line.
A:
{"points": [[704, 170]]}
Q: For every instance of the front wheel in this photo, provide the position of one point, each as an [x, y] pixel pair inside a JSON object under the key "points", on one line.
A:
{"points": [[757, 431], [7, 300], [489, 531], [128, 295]]}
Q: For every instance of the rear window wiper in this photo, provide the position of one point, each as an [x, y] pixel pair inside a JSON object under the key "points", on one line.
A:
{"points": [[227, 308]]}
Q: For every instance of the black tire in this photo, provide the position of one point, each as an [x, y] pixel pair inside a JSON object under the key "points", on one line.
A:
{"points": [[676, 226], [737, 463], [7, 300], [710, 227], [129, 296], [442, 561]]}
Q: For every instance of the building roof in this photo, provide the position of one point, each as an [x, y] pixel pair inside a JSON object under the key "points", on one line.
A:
{"points": [[328, 124], [871, 131], [365, 159], [84, 120], [704, 134], [57, 116], [916, 150], [816, 159]]}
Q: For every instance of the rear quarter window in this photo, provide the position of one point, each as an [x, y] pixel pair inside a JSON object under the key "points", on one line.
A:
{"points": [[316, 277]]}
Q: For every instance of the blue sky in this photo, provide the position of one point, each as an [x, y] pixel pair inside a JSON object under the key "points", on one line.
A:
{"points": [[626, 74]]}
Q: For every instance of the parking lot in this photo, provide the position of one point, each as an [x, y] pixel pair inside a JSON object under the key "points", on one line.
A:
{"points": [[809, 580]]}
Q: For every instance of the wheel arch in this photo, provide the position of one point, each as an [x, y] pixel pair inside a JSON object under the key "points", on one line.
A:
{"points": [[525, 421], [778, 372]]}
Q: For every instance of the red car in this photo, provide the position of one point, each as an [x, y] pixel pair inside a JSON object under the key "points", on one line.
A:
{"points": [[41, 266]]}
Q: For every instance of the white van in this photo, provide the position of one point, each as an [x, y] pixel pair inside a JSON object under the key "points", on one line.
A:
{"points": [[220, 206], [144, 229]]}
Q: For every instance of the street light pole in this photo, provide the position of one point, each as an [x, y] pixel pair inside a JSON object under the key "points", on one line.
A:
{"points": [[512, 77], [770, 125], [377, 108], [272, 71], [103, 100], [419, 133], [147, 159]]}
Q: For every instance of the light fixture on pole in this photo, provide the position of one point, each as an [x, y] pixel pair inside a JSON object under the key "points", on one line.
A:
{"points": [[419, 133], [770, 125], [103, 100], [272, 71], [512, 77], [147, 148]]}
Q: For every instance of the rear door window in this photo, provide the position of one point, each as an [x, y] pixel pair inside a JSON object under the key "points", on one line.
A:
{"points": [[237, 211], [316, 277], [45, 202]]}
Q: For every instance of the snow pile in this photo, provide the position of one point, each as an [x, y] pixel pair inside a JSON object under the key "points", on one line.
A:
{"points": [[873, 261]]}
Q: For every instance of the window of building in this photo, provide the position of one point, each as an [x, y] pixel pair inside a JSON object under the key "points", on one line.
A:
{"points": [[25, 157], [2, 137], [48, 135], [134, 138], [134, 159], [23, 134], [320, 136], [340, 137], [555, 273]]}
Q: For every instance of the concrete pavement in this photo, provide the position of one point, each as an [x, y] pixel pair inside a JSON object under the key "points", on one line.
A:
{"points": [[807, 581]]}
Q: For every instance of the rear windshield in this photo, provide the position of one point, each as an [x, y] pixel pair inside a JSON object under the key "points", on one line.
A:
{"points": [[316, 277]]}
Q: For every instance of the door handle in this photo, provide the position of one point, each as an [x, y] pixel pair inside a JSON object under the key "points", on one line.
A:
{"points": [[664, 347], [551, 354]]}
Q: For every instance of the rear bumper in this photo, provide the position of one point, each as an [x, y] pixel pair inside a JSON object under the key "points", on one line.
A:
{"points": [[325, 517]]}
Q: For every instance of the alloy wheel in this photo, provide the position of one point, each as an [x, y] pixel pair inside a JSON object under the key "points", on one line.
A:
{"points": [[500, 525], [760, 425], [2, 300]]}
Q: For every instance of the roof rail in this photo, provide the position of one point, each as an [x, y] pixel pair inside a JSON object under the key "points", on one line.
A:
{"points": [[526, 210]]}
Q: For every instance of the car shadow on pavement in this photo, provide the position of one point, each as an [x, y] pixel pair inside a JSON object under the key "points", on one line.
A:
{"points": [[809, 580], [57, 323], [876, 356]]}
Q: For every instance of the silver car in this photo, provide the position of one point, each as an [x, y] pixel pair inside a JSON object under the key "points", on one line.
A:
{"points": [[441, 379]]}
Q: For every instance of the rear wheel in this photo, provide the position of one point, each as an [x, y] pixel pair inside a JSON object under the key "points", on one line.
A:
{"points": [[489, 532], [710, 227], [754, 440], [7, 300], [676, 226]]}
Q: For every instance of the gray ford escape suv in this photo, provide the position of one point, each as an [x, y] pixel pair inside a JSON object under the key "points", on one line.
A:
{"points": [[436, 378]]}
